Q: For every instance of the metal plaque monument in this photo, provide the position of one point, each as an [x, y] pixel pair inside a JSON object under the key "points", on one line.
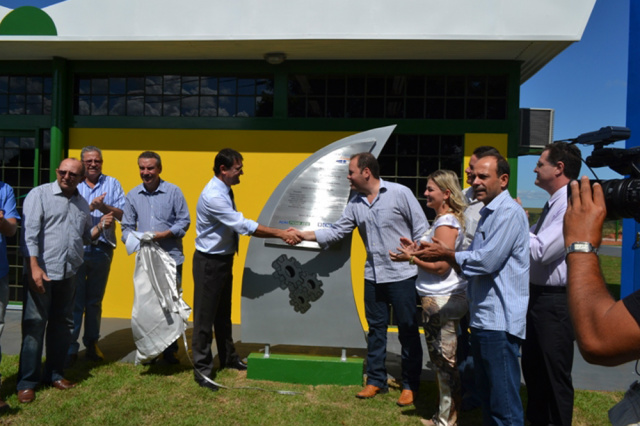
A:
{"points": [[302, 295]]}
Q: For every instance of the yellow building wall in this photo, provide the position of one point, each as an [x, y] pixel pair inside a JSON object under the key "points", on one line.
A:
{"points": [[187, 161], [474, 140]]}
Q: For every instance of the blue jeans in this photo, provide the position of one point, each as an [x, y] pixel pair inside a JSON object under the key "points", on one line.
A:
{"points": [[51, 312], [91, 282], [497, 370], [402, 297]]}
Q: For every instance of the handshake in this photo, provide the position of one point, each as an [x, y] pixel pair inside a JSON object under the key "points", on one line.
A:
{"points": [[294, 236]]}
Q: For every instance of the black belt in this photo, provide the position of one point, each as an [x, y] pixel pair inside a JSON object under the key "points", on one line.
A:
{"points": [[541, 289], [215, 256]]}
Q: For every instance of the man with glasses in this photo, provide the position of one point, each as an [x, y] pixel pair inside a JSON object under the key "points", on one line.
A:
{"points": [[57, 224], [104, 195], [547, 352]]}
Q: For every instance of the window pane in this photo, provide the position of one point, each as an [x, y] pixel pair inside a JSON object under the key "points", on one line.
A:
{"points": [[34, 85], [228, 86], [98, 105], [99, 86], [375, 86], [153, 85], [246, 86], [226, 106], [190, 85], [117, 86], [171, 106], [117, 105], [34, 104], [171, 85], [208, 86], [152, 106], [135, 105], [246, 106], [17, 104], [189, 106], [135, 85], [208, 106]]}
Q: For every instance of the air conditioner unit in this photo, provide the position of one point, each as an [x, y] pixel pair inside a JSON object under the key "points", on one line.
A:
{"points": [[536, 128]]}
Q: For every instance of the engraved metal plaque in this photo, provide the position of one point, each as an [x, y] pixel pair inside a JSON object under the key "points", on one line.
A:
{"points": [[317, 197], [303, 295]]}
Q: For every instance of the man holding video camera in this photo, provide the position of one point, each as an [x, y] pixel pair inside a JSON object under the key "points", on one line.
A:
{"points": [[607, 331]]}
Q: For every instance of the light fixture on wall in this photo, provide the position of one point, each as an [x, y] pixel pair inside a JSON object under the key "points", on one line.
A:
{"points": [[275, 58]]}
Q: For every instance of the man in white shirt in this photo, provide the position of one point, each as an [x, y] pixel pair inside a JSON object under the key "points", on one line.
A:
{"points": [[547, 352], [218, 225]]}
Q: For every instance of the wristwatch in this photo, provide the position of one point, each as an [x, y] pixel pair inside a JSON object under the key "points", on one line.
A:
{"points": [[581, 247]]}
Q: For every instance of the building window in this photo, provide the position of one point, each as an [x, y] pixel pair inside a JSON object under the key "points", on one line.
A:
{"points": [[409, 159], [19, 156], [398, 96], [174, 96], [25, 95]]}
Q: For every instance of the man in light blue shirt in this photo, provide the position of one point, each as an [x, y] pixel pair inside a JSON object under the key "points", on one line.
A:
{"points": [[218, 225], [8, 225], [104, 195], [497, 267], [383, 212], [159, 207]]}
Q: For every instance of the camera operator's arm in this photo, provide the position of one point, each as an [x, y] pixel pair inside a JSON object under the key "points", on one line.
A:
{"points": [[606, 332]]}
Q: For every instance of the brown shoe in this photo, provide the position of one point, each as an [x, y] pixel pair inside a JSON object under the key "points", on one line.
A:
{"points": [[63, 384], [370, 391], [406, 398], [428, 422], [26, 395]]}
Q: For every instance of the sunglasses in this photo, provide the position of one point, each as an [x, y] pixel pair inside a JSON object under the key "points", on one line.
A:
{"points": [[63, 173]]}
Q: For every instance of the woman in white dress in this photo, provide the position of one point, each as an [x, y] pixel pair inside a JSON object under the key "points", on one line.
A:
{"points": [[442, 290]]}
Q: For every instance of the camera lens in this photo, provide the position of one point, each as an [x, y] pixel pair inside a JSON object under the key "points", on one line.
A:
{"points": [[622, 197]]}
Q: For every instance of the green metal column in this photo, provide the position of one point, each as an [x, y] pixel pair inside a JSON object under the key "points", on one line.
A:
{"points": [[59, 114]]}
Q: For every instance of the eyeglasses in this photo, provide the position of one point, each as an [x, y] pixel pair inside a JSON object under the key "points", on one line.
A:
{"points": [[63, 173]]}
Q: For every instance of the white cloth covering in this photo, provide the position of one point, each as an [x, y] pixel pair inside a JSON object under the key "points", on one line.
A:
{"points": [[159, 314]]}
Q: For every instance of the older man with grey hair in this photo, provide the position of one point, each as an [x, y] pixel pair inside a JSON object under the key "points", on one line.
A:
{"points": [[104, 195]]}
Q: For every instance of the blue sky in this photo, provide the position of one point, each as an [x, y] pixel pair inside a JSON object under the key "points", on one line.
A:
{"points": [[586, 85]]}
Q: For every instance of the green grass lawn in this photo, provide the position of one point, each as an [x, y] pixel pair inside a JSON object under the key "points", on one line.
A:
{"points": [[123, 394]]}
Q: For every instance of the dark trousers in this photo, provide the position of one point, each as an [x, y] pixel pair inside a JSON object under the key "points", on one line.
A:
{"points": [[46, 318], [213, 284], [402, 297], [172, 349], [547, 358]]}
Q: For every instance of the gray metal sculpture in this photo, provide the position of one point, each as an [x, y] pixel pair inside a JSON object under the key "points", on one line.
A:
{"points": [[303, 295]]}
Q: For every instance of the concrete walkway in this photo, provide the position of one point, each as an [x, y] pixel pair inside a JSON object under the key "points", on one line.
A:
{"points": [[117, 345]]}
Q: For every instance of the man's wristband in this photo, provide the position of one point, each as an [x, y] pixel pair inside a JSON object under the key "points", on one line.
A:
{"points": [[411, 262], [581, 247]]}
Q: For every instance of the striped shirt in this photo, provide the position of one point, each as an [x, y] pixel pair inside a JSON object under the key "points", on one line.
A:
{"points": [[157, 211], [497, 268], [394, 213], [56, 229], [114, 198]]}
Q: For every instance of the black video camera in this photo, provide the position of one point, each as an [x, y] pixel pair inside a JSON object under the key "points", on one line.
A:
{"points": [[622, 196]]}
